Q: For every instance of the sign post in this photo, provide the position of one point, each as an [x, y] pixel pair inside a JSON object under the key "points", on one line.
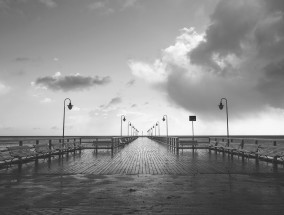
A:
{"points": [[192, 119]]}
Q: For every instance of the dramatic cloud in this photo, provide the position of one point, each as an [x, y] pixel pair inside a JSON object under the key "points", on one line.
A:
{"points": [[240, 56], [230, 26], [173, 56], [271, 83], [71, 82]]}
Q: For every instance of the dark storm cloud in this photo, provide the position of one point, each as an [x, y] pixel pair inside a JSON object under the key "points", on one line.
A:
{"points": [[275, 5], [71, 82], [243, 50], [230, 24], [203, 97], [269, 33], [271, 83], [253, 31]]}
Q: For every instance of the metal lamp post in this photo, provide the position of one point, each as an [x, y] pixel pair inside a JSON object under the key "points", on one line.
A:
{"points": [[124, 119], [69, 107], [158, 124], [165, 118], [129, 124], [221, 106]]}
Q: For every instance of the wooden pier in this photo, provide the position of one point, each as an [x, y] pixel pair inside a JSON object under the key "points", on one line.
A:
{"points": [[142, 177]]}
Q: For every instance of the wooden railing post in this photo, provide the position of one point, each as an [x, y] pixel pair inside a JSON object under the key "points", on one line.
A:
{"points": [[112, 145], [49, 146]]}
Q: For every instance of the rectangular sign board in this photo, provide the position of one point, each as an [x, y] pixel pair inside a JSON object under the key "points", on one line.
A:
{"points": [[192, 118]]}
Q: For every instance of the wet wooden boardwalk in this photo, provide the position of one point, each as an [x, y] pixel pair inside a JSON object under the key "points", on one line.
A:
{"points": [[144, 156], [144, 177]]}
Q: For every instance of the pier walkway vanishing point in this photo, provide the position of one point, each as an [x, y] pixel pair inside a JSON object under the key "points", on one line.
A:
{"points": [[144, 177]]}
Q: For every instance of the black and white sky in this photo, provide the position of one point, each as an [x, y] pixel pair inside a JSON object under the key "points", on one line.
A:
{"points": [[141, 59]]}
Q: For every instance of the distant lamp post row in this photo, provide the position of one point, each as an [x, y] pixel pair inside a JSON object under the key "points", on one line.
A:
{"points": [[70, 106], [155, 126], [133, 130], [150, 131]]}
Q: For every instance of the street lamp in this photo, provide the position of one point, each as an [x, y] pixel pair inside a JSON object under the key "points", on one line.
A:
{"points": [[129, 124], [158, 124], [69, 107], [124, 119], [165, 118], [221, 106]]}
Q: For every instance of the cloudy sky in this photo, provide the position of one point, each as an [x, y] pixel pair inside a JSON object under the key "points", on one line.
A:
{"points": [[142, 59]]}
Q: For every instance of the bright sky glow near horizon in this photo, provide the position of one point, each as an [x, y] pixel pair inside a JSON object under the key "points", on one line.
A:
{"points": [[142, 59]]}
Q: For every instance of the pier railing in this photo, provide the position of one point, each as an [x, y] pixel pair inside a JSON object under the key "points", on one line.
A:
{"points": [[182, 142], [25, 149], [269, 149], [204, 141], [83, 141], [259, 141]]}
